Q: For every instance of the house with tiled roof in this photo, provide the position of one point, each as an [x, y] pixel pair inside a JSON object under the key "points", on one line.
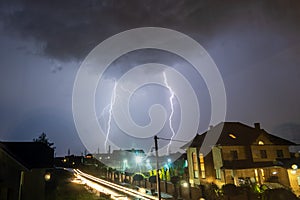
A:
{"points": [[241, 154], [23, 168]]}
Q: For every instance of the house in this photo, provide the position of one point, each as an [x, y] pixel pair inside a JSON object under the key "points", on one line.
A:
{"points": [[242, 154], [23, 170]]}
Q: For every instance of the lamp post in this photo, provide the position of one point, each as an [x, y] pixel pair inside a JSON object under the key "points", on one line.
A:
{"points": [[157, 168]]}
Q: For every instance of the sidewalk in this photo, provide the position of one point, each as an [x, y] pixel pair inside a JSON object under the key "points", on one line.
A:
{"points": [[163, 195]]}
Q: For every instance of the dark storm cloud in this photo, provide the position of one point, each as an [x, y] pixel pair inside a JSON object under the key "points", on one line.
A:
{"points": [[254, 43], [70, 29], [290, 130]]}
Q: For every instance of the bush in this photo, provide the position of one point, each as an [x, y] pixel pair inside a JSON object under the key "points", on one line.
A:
{"points": [[279, 194], [230, 189], [210, 191]]}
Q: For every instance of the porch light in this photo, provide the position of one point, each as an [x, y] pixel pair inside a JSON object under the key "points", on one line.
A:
{"points": [[294, 166], [47, 176]]}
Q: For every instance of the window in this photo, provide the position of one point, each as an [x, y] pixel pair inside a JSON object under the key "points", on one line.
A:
{"points": [[263, 153], [262, 172], [279, 153], [234, 155], [260, 142], [195, 165], [202, 167], [232, 135], [218, 174], [298, 180]]}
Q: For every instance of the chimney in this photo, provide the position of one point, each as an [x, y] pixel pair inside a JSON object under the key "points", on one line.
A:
{"points": [[257, 126], [211, 127]]}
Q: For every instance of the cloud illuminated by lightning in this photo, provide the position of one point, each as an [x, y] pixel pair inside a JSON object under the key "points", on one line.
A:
{"points": [[110, 108], [172, 109]]}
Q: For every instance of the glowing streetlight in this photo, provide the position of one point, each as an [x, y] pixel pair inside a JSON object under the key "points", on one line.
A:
{"points": [[185, 184], [47, 176], [138, 159]]}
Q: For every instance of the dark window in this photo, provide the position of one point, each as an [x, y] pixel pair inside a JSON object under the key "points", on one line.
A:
{"points": [[234, 155], [263, 153], [279, 154]]}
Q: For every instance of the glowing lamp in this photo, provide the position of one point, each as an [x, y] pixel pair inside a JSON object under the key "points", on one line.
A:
{"points": [[294, 166], [47, 176]]}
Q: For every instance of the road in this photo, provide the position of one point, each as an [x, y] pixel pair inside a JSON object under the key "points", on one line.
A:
{"points": [[116, 191]]}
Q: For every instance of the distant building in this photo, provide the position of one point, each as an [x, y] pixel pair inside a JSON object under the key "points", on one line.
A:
{"points": [[23, 170], [242, 154], [70, 161], [130, 159]]}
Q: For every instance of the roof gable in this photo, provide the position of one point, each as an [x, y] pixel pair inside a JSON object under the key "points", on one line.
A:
{"points": [[262, 138], [236, 134]]}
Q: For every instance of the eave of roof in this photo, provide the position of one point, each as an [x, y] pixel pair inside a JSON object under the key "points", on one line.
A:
{"points": [[245, 135], [30, 154]]}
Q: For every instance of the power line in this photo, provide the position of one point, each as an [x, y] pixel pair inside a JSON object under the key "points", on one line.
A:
{"points": [[172, 140]]}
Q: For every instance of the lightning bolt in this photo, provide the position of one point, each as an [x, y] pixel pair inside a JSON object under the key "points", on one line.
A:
{"points": [[171, 98], [110, 108]]}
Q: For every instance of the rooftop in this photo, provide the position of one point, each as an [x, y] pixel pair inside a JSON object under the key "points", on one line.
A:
{"points": [[236, 133], [30, 154]]}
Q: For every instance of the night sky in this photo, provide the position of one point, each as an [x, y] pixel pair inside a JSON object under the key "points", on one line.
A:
{"points": [[255, 44]]}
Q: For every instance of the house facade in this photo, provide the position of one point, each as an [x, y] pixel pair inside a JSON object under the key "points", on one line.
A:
{"points": [[241, 155], [23, 168]]}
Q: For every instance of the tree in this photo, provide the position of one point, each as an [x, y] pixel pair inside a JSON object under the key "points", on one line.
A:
{"points": [[43, 139]]}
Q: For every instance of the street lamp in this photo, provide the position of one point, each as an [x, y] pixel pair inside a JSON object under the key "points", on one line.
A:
{"points": [[157, 168], [138, 159]]}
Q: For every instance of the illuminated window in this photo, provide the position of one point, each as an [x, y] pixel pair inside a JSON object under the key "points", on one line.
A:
{"points": [[263, 154], [232, 136], [260, 142], [256, 175], [195, 165], [262, 174], [202, 167], [218, 174], [294, 166]]}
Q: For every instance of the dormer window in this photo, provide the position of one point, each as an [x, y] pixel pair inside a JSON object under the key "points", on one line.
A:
{"points": [[260, 142], [232, 135]]}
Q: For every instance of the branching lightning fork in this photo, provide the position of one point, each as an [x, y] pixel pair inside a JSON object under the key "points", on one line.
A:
{"points": [[112, 102], [172, 109]]}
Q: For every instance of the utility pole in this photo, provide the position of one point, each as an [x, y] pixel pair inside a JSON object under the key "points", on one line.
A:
{"points": [[157, 168]]}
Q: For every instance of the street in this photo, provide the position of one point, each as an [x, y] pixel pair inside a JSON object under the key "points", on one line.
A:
{"points": [[114, 190]]}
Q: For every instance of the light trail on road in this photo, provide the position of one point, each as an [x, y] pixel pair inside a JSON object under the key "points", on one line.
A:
{"points": [[99, 188], [96, 184]]}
